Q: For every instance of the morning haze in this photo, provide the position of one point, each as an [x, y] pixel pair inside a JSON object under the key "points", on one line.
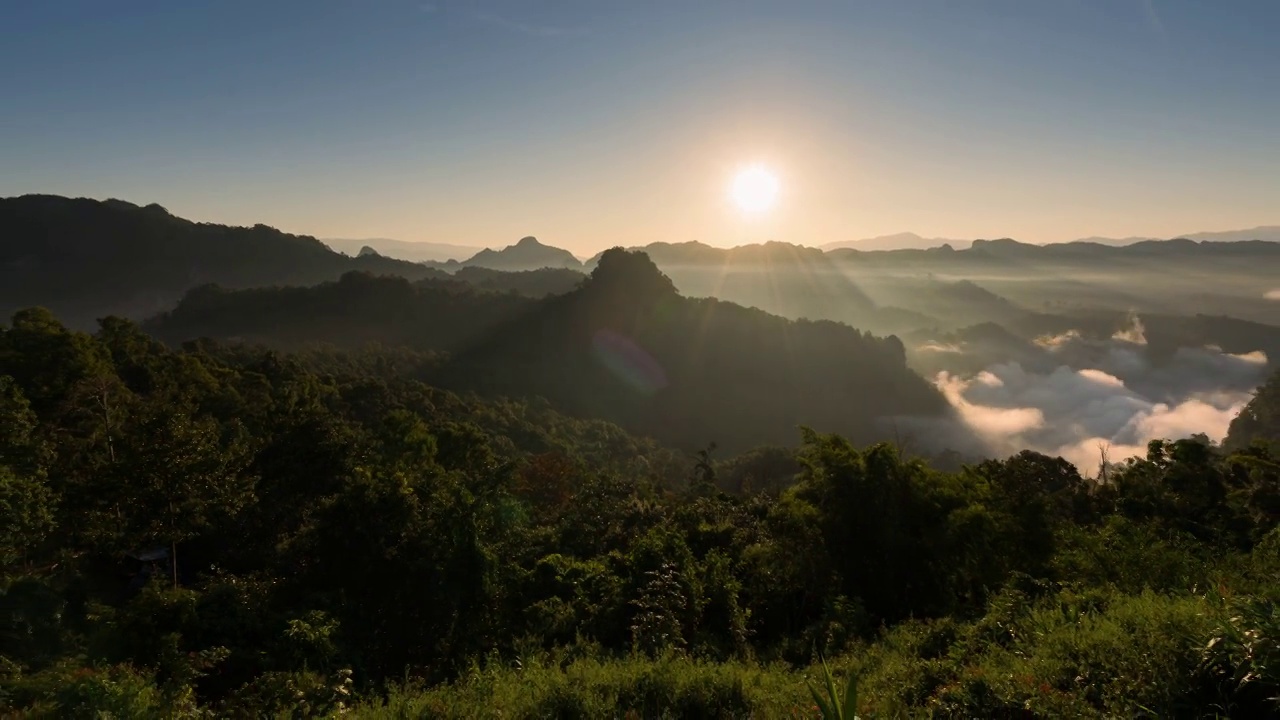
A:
{"points": [[594, 124], [577, 359]]}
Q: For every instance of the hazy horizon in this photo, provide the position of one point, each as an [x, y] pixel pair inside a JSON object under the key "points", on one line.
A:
{"points": [[498, 245], [597, 124], [685, 456]]}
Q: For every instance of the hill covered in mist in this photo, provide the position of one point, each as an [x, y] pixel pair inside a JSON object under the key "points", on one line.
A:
{"points": [[528, 254], [427, 252], [625, 347]]}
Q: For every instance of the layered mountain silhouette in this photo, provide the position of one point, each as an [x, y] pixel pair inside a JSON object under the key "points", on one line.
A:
{"points": [[912, 241], [624, 346], [789, 280], [898, 241], [403, 250], [86, 259], [1079, 253], [528, 254], [628, 348], [1266, 233], [357, 310]]}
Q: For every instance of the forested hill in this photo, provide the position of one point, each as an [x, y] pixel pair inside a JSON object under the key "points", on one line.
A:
{"points": [[356, 310], [1259, 421], [788, 280], [86, 259], [624, 347], [232, 532]]}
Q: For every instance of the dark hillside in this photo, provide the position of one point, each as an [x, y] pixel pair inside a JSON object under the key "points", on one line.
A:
{"points": [[628, 348], [86, 259]]}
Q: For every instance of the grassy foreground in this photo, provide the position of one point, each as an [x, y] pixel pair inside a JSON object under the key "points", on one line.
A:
{"points": [[1095, 655]]}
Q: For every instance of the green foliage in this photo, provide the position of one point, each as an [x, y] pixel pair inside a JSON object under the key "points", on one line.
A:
{"points": [[665, 687], [117, 692], [1259, 421], [833, 704], [290, 694], [235, 532], [1243, 653], [622, 346], [26, 516]]}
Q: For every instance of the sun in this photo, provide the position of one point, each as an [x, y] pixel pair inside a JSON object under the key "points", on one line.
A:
{"points": [[754, 189]]}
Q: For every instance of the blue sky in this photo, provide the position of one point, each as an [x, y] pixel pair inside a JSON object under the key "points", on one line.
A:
{"points": [[601, 122]]}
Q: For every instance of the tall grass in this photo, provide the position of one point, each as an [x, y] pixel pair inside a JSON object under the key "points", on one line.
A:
{"points": [[1098, 654], [636, 687]]}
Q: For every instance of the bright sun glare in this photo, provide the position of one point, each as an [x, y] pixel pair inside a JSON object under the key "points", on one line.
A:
{"points": [[754, 189]]}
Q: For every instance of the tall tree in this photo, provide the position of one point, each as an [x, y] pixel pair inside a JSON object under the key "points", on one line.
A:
{"points": [[179, 476]]}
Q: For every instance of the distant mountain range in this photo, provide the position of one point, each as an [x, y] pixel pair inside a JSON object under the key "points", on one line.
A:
{"points": [[912, 241], [450, 257], [1268, 233], [402, 250], [85, 259], [900, 241], [528, 254], [1046, 257]]}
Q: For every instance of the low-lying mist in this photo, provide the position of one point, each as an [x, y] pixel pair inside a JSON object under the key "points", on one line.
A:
{"points": [[1081, 398]]}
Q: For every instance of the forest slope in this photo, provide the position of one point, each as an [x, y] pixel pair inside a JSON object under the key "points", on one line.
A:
{"points": [[231, 532], [628, 348], [623, 347], [87, 259]]}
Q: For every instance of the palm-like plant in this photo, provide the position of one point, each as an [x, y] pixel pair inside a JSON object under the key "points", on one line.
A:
{"points": [[830, 704]]}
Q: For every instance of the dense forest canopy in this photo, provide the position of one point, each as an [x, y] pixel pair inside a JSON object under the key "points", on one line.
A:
{"points": [[303, 484], [245, 532]]}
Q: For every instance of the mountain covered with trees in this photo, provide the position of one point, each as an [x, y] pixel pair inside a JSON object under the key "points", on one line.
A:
{"points": [[87, 259], [624, 346], [627, 347], [235, 532], [311, 485]]}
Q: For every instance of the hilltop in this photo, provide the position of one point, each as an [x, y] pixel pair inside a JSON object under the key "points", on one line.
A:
{"points": [[428, 252], [623, 346], [86, 259], [528, 254]]}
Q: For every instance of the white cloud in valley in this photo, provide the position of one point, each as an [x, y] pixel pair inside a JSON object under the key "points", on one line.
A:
{"points": [[1122, 401]]}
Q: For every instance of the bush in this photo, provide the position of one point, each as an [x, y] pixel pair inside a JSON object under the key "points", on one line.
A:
{"points": [[668, 687]]}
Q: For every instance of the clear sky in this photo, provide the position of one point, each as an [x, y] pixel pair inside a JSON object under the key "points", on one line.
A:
{"points": [[591, 123]]}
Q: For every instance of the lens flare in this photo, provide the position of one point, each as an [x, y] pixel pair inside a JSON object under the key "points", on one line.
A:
{"points": [[628, 361]]}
